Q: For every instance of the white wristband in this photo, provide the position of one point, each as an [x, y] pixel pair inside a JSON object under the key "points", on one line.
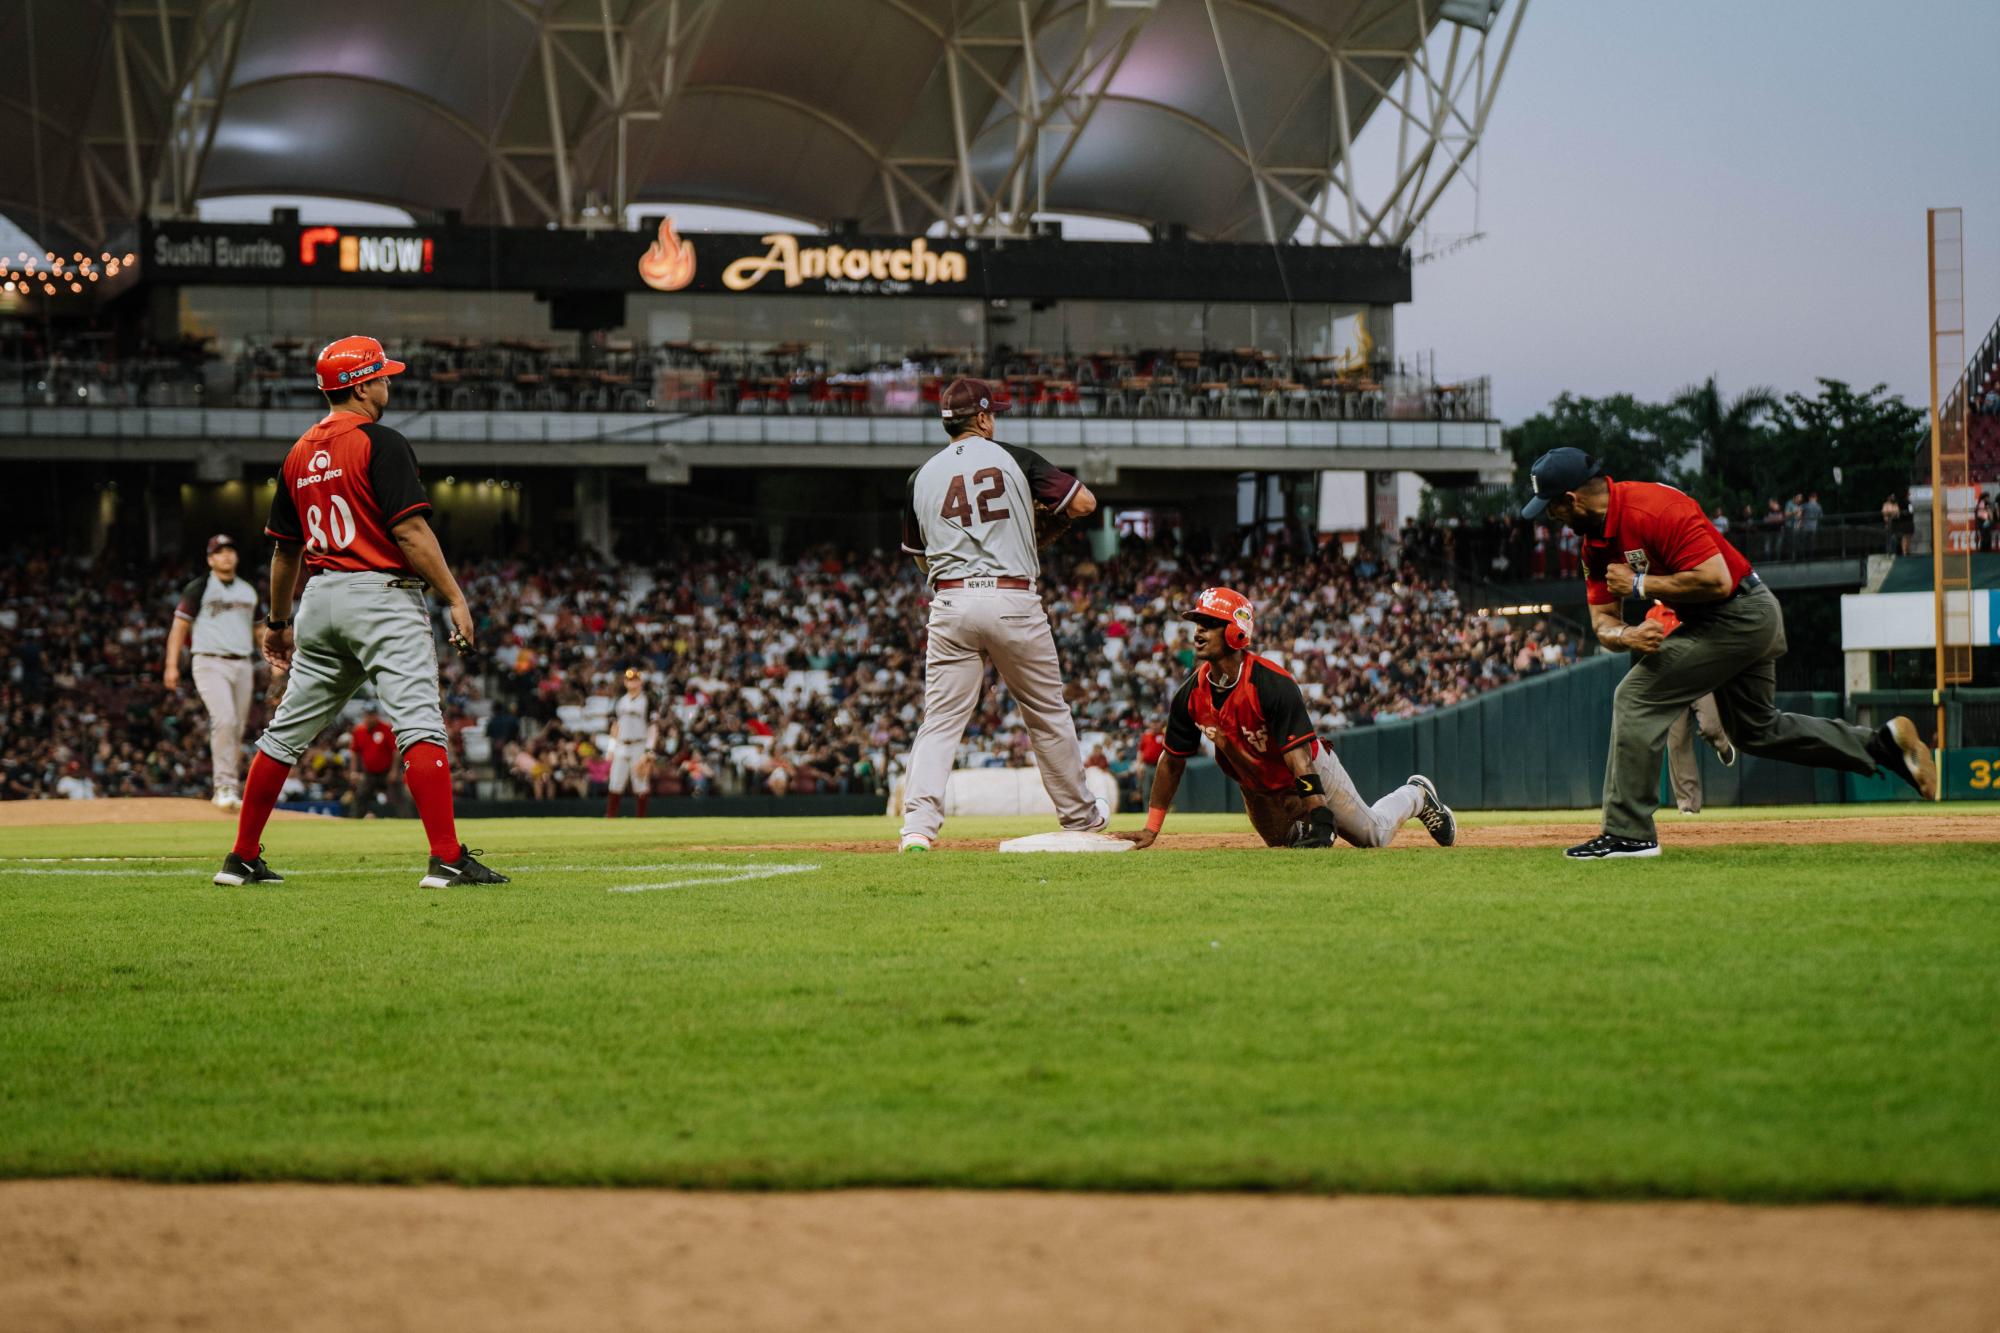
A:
{"points": [[1639, 587]]}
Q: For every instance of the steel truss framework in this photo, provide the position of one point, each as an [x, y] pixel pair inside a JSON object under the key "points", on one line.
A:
{"points": [[1010, 92]]}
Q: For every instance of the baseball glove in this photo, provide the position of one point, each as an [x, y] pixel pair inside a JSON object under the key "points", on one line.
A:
{"points": [[1315, 830], [1050, 525]]}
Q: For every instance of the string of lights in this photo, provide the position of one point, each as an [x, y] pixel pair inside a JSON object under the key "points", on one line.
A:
{"points": [[25, 270]]}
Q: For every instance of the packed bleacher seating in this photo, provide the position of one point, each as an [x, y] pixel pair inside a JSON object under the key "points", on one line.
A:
{"points": [[618, 375], [781, 678]]}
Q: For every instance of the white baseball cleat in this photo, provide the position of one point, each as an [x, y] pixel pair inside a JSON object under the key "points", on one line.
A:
{"points": [[227, 800], [916, 842], [1103, 820]]}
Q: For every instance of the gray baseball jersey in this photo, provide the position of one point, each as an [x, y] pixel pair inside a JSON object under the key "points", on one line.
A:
{"points": [[629, 718], [971, 510], [220, 614]]}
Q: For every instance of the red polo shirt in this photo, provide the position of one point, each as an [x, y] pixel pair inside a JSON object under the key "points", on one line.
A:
{"points": [[375, 746], [1656, 530]]}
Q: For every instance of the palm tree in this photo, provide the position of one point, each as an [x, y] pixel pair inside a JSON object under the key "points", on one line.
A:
{"points": [[1728, 433]]}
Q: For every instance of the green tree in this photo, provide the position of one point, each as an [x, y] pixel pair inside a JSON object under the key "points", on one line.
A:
{"points": [[1867, 438], [1631, 438], [1723, 454]]}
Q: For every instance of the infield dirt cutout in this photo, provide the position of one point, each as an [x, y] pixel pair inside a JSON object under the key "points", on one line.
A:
{"points": [[1675, 831], [124, 810], [98, 1255]]}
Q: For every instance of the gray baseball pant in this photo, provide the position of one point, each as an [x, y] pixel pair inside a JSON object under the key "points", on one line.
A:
{"points": [[1272, 813], [225, 685], [1007, 626], [352, 628], [1683, 768]]}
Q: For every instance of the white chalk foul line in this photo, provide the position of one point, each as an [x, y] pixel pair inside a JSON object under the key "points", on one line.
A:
{"points": [[713, 873]]}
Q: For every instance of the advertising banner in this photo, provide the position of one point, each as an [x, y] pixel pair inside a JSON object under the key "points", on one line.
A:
{"points": [[664, 260]]}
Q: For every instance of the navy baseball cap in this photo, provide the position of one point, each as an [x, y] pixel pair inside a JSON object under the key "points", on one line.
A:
{"points": [[1556, 472]]}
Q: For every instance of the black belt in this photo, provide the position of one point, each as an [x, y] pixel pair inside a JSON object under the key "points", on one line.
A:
{"points": [[229, 657], [1750, 583], [418, 584]]}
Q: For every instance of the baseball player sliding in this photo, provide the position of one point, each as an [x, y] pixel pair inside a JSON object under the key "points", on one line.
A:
{"points": [[349, 499], [634, 736], [1251, 709], [971, 524], [217, 615]]}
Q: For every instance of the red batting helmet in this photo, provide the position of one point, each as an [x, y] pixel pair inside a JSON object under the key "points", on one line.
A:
{"points": [[346, 362], [1229, 607]]}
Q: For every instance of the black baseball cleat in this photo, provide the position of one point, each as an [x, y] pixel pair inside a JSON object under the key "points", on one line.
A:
{"points": [[465, 870], [1897, 747], [236, 871], [1605, 846], [1434, 814]]}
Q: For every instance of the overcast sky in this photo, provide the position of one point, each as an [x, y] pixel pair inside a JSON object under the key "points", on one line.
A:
{"points": [[1674, 188]]}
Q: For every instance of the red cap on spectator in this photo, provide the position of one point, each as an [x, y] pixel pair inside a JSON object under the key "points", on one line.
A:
{"points": [[220, 540], [969, 397]]}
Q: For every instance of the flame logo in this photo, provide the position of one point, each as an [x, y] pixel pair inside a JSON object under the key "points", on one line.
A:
{"points": [[668, 264]]}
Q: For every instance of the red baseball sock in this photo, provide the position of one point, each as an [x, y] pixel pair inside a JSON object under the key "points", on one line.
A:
{"points": [[427, 773], [611, 809], [260, 795], [642, 802]]}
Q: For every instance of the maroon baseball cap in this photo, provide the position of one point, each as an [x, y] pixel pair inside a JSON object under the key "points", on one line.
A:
{"points": [[220, 540], [969, 397]]}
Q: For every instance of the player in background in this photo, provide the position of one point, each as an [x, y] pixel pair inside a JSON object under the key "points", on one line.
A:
{"points": [[349, 503], [372, 765], [970, 521], [1252, 710], [218, 612], [1703, 715], [634, 737]]}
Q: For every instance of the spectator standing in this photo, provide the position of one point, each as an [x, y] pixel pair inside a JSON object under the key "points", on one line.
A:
{"points": [[1982, 520], [1721, 520], [1774, 529], [1810, 513], [1892, 522], [1794, 517]]}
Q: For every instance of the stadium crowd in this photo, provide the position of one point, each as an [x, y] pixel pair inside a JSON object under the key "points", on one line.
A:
{"points": [[779, 678]]}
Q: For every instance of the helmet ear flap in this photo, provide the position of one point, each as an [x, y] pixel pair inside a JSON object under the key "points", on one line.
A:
{"points": [[1233, 635]]}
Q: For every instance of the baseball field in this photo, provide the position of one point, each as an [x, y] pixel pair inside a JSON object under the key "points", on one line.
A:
{"points": [[1789, 1007]]}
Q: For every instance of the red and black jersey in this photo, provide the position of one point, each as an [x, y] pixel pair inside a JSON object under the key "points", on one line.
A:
{"points": [[342, 488], [1252, 722]]}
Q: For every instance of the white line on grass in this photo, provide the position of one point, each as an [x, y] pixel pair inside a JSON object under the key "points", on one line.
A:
{"points": [[79, 860], [737, 874], [743, 871]]}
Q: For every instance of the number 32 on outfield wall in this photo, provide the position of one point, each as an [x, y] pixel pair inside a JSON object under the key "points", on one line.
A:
{"points": [[339, 518], [1985, 774]]}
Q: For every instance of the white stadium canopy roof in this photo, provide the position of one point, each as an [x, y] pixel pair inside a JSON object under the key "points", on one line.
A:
{"points": [[1232, 118]]}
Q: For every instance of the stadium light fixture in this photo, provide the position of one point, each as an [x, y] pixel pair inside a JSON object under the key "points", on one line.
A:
{"points": [[1471, 13]]}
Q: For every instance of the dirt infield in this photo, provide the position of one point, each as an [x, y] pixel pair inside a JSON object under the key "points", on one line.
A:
{"points": [[1675, 831], [109, 1255], [124, 810]]}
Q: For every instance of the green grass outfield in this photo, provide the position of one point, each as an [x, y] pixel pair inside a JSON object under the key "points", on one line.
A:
{"points": [[1777, 1022]]}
